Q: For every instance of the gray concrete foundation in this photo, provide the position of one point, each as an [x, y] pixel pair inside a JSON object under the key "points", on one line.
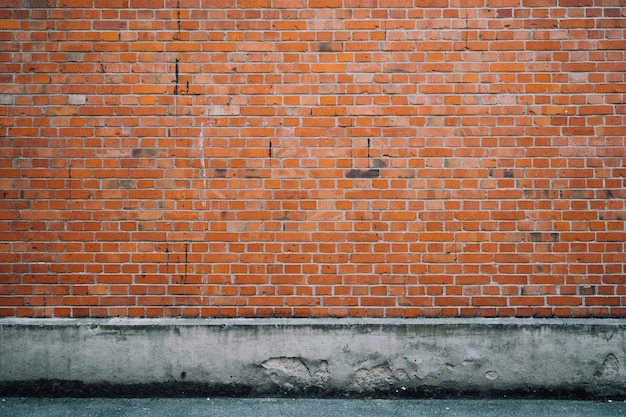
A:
{"points": [[310, 357]]}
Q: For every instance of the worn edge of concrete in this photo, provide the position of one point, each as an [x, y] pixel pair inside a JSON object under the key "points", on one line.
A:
{"points": [[169, 388]]}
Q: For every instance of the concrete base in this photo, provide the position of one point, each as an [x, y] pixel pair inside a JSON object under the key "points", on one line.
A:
{"points": [[326, 357]]}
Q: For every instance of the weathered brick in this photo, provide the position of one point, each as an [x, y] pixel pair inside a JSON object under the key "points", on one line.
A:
{"points": [[305, 158]]}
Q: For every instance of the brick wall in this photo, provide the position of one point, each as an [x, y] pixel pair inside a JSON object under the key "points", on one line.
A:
{"points": [[383, 158]]}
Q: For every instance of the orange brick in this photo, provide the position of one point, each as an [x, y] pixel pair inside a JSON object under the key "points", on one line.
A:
{"points": [[252, 164]]}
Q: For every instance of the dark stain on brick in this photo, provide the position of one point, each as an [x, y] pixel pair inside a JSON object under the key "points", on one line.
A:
{"points": [[398, 69], [363, 173], [509, 173], [325, 47], [587, 290], [379, 163], [144, 152], [544, 237], [220, 173], [127, 184], [252, 173], [36, 3], [529, 290]]}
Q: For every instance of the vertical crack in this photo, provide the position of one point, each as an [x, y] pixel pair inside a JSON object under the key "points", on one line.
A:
{"points": [[178, 17], [176, 77]]}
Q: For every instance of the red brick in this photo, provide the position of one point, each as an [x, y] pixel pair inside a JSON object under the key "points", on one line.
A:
{"points": [[336, 165]]}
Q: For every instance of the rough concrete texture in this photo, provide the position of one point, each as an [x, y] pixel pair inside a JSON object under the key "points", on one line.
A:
{"points": [[414, 358], [306, 407]]}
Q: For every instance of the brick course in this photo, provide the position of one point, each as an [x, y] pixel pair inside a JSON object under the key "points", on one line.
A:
{"points": [[312, 158]]}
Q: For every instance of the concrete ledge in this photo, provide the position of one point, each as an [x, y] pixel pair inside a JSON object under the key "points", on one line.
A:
{"points": [[302, 357]]}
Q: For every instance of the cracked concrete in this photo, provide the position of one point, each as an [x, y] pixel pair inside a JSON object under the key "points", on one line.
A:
{"points": [[292, 375], [413, 358]]}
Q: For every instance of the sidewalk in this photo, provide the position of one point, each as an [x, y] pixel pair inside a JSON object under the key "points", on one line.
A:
{"points": [[279, 407]]}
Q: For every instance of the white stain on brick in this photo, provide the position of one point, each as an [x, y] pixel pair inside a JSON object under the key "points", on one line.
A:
{"points": [[77, 99]]}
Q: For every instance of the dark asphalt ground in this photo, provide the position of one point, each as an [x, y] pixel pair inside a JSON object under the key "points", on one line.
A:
{"points": [[275, 407]]}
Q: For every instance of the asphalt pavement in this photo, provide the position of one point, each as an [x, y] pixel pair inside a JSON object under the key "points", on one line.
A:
{"points": [[278, 407]]}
